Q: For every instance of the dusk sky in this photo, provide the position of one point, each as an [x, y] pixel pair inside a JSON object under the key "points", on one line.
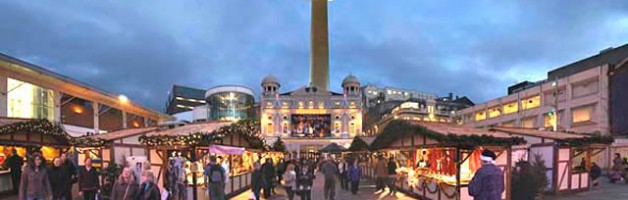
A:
{"points": [[471, 48]]}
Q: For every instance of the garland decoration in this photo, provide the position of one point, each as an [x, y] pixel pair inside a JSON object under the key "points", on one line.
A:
{"points": [[249, 129], [399, 128], [37, 126], [88, 141]]}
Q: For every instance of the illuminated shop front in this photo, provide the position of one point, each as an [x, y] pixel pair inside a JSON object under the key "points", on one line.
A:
{"points": [[437, 161], [230, 103]]}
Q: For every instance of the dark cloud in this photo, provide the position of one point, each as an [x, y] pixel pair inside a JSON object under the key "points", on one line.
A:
{"points": [[474, 48]]}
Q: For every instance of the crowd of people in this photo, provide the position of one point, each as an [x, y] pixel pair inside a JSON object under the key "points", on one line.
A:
{"points": [[34, 180], [295, 176]]}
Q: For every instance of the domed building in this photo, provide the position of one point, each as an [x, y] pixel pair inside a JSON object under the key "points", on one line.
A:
{"points": [[310, 118]]}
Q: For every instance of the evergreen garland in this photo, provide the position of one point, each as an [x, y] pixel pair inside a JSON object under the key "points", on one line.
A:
{"points": [[249, 129], [37, 126], [88, 141], [399, 128]]}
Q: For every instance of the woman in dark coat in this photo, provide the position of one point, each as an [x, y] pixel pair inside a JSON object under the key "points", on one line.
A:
{"points": [[148, 189], [89, 184], [257, 180], [60, 180], [305, 180], [35, 183], [125, 188]]}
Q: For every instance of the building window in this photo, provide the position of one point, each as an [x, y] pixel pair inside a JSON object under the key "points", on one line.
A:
{"points": [[582, 114], [26, 100], [528, 122], [549, 120], [321, 105], [511, 107], [531, 102], [284, 104], [494, 112], [479, 116]]}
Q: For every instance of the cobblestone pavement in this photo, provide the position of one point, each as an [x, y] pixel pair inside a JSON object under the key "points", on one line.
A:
{"points": [[366, 192]]}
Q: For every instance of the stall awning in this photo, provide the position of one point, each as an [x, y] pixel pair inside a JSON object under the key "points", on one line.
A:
{"points": [[332, 148], [221, 149]]}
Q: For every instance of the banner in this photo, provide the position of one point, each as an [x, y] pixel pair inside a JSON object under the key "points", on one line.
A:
{"points": [[220, 149]]}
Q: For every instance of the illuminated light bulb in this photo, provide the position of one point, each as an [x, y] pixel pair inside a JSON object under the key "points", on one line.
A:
{"points": [[123, 98]]}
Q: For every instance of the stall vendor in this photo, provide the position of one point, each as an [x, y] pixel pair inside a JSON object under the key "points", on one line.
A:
{"points": [[15, 163], [488, 181]]}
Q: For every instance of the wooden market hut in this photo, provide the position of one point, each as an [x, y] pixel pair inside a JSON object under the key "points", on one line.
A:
{"points": [[456, 143], [29, 135], [194, 141], [118, 145], [559, 150]]}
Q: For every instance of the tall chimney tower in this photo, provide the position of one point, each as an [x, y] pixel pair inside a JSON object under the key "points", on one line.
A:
{"points": [[319, 46]]}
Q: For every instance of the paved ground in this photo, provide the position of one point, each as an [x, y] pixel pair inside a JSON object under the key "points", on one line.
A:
{"points": [[605, 192], [366, 192]]}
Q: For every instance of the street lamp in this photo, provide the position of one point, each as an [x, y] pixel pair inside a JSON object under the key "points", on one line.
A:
{"points": [[123, 99]]}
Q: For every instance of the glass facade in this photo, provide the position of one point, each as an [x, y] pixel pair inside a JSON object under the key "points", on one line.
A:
{"points": [[230, 106], [26, 100]]}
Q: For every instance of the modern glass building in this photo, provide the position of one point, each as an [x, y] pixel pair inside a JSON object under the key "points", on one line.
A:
{"points": [[230, 102]]}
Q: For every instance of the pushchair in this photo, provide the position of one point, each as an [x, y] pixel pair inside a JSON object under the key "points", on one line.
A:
{"points": [[615, 176]]}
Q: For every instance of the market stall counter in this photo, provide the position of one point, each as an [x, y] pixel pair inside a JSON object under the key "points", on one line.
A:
{"points": [[437, 161], [179, 155]]}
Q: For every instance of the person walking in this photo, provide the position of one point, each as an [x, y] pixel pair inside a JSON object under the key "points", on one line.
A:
{"points": [[281, 167], [60, 181], [330, 170], [355, 173], [35, 184], [290, 180], [595, 173], [215, 174], [15, 163], [305, 181], [381, 173], [488, 181], [343, 169], [257, 180], [68, 166], [392, 176], [268, 172], [148, 190], [88, 181], [125, 188]]}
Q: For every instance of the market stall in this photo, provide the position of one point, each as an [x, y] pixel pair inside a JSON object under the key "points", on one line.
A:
{"points": [[28, 136], [237, 144], [564, 154], [437, 161]]}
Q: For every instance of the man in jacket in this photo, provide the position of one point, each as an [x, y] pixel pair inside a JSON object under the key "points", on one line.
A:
{"points": [[268, 170], [61, 181], [330, 170], [15, 163], [88, 181], [488, 181], [215, 174], [381, 172], [70, 169]]}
